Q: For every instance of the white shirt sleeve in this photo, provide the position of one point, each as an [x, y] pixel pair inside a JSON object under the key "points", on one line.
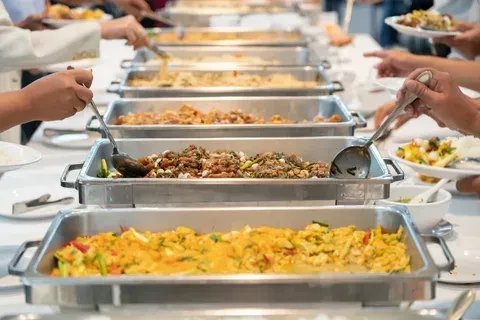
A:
{"points": [[24, 49]]}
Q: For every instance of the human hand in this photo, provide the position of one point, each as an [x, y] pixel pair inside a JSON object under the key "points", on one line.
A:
{"points": [[469, 185], [395, 63], [125, 28], [133, 7], [446, 103], [33, 23], [468, 43], [59, 95], [384, 111]]}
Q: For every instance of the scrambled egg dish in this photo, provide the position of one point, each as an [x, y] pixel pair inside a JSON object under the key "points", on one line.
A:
{"points": [[315, 249]]}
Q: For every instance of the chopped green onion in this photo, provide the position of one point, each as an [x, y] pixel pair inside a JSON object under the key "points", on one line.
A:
{"points": [[214, 237], [101, 264], [63, 268], [320, 223]]}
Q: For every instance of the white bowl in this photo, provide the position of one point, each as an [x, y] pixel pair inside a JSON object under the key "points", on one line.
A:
{"points": [[425, 215]]}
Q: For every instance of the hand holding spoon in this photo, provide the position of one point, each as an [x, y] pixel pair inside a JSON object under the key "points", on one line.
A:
{"points": [[355, 161]]}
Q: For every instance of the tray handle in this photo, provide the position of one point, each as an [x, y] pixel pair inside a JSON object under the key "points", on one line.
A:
{"points": [[450, 265], [114, 87], [400, 175], [12, 266], [325, 64], [69, 168], [126, 63], [90, 127], [362, 123], [337, 86]]}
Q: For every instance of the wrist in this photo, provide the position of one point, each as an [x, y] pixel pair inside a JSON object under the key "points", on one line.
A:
{"points": [[22, 101]]}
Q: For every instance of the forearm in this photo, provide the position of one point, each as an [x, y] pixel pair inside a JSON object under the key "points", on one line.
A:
{"points": [[464, 73], [24, 49], [82, 2], [14, 110]]}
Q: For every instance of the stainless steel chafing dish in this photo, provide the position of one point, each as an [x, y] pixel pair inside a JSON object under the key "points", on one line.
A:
{"points": [[302, 40], [303, 73], [161, 192], [283, 55], [240, 289], [293, 108]]}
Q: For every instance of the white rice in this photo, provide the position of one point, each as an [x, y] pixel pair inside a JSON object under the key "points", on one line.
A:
{"points": [[468, 146]]}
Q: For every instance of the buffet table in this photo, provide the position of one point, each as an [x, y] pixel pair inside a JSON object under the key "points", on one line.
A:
{"points": [[354, 70]]}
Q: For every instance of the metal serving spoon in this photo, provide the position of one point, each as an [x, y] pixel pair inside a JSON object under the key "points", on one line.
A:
{"points": [[124, 163], [461, 304], [160, 52], [468, 163], [354, 161]]}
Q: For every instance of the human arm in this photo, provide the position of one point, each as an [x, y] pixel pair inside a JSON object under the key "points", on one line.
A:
{"points": [[443, 101], [468, 42], [397, 63], [54, 97], [33, 23]]}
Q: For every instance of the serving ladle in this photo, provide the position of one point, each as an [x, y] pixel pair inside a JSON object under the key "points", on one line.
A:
{"points": [[129, 167], [355, 161]]}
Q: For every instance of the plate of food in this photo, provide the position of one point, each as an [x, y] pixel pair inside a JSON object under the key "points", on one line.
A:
{"points": [[431, 158], [424, 24], [60, 15], [14, 156]]}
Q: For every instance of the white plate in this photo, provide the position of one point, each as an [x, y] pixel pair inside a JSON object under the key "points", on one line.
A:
{"points": [[11, 196], [467, 260], [16, 156], [7, 281], [443, 173], [76, 64], [394, 84], [58, 23], [417, 32]]}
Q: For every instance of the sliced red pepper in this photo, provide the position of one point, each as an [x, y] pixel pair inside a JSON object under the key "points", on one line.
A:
{"points": [[290, 251], [122, 229], [268, 259], [114, 253], [80, 246], [366, 238]]}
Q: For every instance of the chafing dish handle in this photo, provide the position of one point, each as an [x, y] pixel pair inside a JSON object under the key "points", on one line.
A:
{"points": [[126, 63], [90, 127], [337, 86], [69, 168], [400, 175], [114, 86], [12, 266], [325, 64], [362, 123], [450, 265]]}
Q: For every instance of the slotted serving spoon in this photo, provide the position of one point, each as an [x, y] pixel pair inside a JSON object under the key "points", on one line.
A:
{"points": [[129, 167], [354, 161]]}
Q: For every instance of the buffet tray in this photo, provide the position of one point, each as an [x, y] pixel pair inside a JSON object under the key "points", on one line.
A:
{"points": [[245, 289], [171, 191], [293, 108], [302, 40], [303, 73], [283, 55]]}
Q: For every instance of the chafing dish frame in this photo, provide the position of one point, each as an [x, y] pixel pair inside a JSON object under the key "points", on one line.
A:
{"points": [[293, 108], [244, 289], [173, 191], [284, 55], [303, 73], [302, 40]]}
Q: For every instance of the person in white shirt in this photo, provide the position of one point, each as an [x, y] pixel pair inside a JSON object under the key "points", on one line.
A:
{"points": [[25, 49]]}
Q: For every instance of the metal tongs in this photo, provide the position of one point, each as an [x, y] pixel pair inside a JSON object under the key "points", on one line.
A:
{"points": [[179, 30], [40, 202]]}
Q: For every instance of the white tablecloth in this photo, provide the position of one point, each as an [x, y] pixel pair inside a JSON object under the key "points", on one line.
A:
{"points": [[354, 70]]}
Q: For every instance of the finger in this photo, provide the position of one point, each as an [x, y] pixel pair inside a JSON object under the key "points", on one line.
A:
{"points": [[444, 40], [84, 94], [78, 104], [131, 36], [136, 12], [424, 93], [81, 76], [377, 54], [401, 120], [142, 5], [469, 185]]}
